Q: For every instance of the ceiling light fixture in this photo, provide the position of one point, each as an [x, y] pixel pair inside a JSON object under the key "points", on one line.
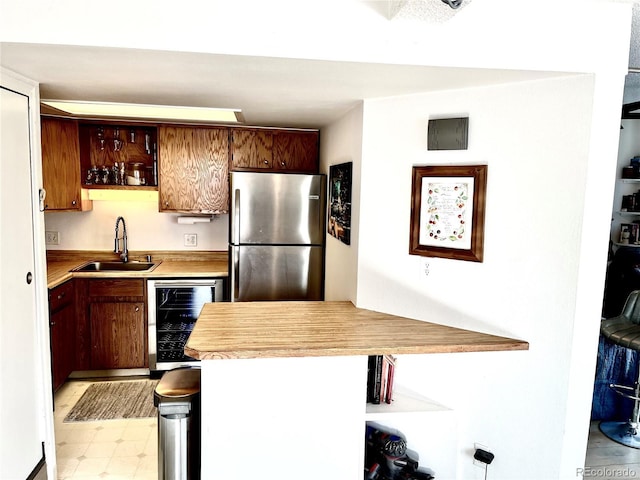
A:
{"points": [[453, 3], [146, 112]]}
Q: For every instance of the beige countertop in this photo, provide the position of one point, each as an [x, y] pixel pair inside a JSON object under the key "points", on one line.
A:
{"points": [[169, 265], [307, 329]]}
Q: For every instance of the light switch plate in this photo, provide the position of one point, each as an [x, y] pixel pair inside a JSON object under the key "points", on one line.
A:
{"points": [[52, 238]]}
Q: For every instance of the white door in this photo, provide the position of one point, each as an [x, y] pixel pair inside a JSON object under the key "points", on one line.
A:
{"points": [[20, 438]]}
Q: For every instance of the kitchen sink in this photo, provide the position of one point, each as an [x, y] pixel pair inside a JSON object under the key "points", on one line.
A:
{"points": [[115, 267]]}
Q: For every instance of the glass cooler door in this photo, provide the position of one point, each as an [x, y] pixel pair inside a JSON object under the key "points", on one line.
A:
{"points": [[177, 309]]}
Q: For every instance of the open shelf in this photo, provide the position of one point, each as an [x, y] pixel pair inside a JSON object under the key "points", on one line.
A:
{"points": [[404, 401], [632, 245]]}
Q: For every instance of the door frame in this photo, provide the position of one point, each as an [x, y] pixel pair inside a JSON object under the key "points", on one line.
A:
{"points": [[25, 86]]}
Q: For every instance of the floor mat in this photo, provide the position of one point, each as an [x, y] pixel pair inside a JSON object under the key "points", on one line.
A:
{"points": [[113, 400]]}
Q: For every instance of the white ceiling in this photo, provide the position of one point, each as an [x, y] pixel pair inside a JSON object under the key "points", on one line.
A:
{"points": [[270, 91]]}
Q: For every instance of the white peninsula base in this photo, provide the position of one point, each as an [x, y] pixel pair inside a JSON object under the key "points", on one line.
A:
{"points": [[304, 418]]}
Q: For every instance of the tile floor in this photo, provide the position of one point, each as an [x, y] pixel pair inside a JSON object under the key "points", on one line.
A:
{"points": [[128, 449], [108, 449], [607, 459]]}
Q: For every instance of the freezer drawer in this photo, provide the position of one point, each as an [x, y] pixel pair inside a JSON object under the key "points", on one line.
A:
{"points": [[276, 273]]}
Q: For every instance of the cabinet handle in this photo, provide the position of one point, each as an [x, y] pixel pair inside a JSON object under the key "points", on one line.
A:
{"points": [[61, 296], [266, 162], [283, 164], [53, 324], [74, 203], [137, 309]]}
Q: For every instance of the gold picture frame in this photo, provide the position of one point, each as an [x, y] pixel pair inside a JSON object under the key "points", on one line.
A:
{"points": [[447, 211]]}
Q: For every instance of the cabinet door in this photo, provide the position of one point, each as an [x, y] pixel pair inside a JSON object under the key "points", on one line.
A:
{"points": [[295, 152], [193, 169], [251, 149], [62, 327], [61, 165], [117, 335], [62, 344]]}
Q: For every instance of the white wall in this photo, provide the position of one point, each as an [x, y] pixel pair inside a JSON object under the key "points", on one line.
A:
{"points": [[147, 229], [341, 142], [526, 286], [535, 139]]}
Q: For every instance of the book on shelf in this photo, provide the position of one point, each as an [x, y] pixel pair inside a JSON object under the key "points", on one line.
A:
{"points": [[629, 233], [381, 370]]}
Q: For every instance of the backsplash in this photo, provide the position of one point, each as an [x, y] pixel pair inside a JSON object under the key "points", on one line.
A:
{"points": [[147, 229]]}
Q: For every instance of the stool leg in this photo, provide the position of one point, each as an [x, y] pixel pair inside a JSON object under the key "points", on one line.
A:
{"points": [[626, 433]]}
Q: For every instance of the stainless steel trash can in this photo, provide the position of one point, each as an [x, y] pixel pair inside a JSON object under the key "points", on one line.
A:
{"points": [[177, 397]]}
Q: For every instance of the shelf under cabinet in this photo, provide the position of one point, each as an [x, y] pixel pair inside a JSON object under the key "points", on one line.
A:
{"points": [[92, 186]]}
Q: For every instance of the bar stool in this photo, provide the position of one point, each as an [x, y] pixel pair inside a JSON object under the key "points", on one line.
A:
{"points": [[624, 330]]}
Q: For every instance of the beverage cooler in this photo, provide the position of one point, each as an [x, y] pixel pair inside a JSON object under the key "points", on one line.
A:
{"points": [[174, 307]]}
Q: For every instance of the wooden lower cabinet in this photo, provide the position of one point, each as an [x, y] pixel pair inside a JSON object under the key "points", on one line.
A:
{"points": [[117, 335], [112, 330], [62, 323]]}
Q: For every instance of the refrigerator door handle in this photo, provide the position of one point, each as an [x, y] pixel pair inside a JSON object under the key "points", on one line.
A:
{"points": [[235, 258], [236, 214]]}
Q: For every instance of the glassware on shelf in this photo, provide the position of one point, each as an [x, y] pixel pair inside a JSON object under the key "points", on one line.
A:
{"points": [[101, 140]]}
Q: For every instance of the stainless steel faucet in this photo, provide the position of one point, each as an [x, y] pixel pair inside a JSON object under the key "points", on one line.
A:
{"points": [[124, 254]]}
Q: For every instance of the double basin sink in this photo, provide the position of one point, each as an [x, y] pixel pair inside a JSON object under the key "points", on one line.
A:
{"points": [[97, 266]]}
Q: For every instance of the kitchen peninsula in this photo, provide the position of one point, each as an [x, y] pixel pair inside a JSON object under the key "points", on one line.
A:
{"points": [[289, 395]]}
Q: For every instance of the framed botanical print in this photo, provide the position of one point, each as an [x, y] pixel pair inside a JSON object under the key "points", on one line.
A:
{"points": [[447, 211]]}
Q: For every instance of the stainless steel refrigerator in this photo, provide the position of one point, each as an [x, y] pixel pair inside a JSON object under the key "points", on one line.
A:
{"points": [[276, 236]]}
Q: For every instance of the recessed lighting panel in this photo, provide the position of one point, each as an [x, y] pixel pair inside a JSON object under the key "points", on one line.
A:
{"points": [[149, 112]]}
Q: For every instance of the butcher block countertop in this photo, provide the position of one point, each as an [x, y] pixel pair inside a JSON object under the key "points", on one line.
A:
{"points": [[312, 329], [197, 264]]}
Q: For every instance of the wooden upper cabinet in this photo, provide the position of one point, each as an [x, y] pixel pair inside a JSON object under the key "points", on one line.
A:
{"points": [[295, 151], [251, 149], [193, 169], [61, 166], [289, 151]]}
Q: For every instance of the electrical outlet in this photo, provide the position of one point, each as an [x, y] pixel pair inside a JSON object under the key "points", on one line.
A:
{"points": [[190, 239], [52, 238], [478, 446]]}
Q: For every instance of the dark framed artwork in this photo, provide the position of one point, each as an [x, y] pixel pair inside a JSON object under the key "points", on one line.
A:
{"points": [[447, 211], [339, 222]]}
